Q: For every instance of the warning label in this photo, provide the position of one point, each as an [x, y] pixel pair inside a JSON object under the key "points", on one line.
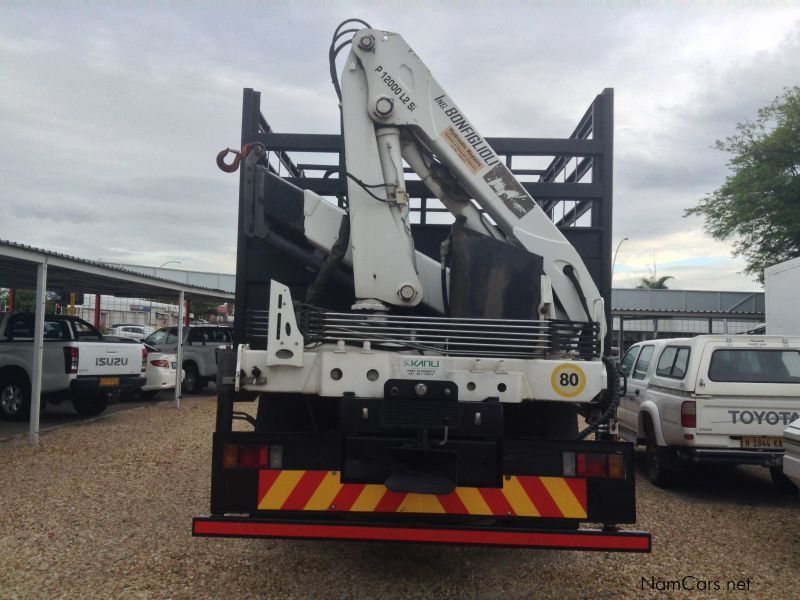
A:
{"points": [[509, 190], [464, 152]]}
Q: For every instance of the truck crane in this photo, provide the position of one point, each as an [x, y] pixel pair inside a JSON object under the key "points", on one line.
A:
{"points": [[434, 401]]}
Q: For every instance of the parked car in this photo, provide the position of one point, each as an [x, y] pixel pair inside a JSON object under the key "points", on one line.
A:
{"points": [[711, 399], [159, 372], [791, 458], [77, 364], [199, 351], [136, 332]]}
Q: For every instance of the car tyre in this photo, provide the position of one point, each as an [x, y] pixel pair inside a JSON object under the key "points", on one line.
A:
{"points": [[657, 473], [192, 384], [90, 405], [15, 398], [781, 482]]}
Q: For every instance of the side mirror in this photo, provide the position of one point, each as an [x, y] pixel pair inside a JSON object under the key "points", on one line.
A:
{"points": [[623, 384]]}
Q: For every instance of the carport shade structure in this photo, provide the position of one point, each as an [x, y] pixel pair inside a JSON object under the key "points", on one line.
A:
{"points": [[25, 267]]}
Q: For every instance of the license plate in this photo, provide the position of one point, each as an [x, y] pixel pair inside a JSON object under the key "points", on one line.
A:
{"points": [[109, 381], [762, 442]]}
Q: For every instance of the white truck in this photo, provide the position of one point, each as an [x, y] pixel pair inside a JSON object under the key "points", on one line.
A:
{"points": [[781, 283], [439, 401], [77, 364], [711, 399]]}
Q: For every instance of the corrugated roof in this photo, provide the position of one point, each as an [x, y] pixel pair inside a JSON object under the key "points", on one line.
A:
{"points": [[73, 274], [688, 302]]}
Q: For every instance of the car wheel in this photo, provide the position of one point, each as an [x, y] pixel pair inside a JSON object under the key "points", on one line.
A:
{"points": [[191, 380], [15, 398], [90, 405], [781, 482], [149, 394], [657, 473]]}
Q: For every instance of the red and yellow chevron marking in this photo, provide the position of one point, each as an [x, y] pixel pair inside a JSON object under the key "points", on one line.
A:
{"points": [[521, 496]]}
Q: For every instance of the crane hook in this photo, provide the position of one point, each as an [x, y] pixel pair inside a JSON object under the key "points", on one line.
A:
{"points": [[239, 155]]}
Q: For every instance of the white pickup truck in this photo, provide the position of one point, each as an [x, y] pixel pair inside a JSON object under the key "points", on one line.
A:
{"points": [[77, 365], [711, 399]]}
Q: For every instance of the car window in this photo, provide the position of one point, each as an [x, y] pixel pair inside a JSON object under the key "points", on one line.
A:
{"points": [[640, 370], [157, 338], [673, 362], [221, 336], [627, 362], [172, 336], [83, 330], [20, 327], [681, 363], [195, 335], [755, 366], [55, 330]]}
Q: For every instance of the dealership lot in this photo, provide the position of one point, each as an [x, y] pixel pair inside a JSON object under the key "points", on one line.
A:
{"points": [[103, 509], [56, 415]]}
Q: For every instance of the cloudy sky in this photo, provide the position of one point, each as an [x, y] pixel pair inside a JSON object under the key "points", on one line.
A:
{"points": [[111, 116]]}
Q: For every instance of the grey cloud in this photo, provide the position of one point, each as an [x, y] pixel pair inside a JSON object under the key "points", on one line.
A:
{"points": [[114, 115]]}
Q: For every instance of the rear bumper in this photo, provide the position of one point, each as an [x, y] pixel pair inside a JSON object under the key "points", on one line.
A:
{"points": [[766, 458], [582, 539], [86, 386]]}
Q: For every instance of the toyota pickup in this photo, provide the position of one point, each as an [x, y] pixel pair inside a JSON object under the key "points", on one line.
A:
{"points": [[711, 399], [77, 365]]}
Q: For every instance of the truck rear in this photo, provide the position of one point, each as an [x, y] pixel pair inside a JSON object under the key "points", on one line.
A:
{"points": [[412, 376]]}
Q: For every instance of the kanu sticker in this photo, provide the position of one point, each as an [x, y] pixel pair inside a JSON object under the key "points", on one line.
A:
{"points": [[509, 190], [417, 367]]}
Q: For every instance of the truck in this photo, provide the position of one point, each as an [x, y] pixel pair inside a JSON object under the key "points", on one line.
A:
{"points": [[711, 399], [77, 365], [781, 282], [413, 356]]}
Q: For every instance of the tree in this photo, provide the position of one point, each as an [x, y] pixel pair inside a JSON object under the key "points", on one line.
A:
{"points": [[654, 283], [25, 301], [758, 206]]}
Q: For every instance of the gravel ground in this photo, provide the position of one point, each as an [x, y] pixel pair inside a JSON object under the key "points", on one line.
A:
{"points": [[103, 509]]}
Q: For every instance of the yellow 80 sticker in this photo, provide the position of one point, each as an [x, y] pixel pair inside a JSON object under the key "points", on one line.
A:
{"points": [[568, 380]]}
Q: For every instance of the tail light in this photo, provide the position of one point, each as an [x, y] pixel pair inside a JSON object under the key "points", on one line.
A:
{"points": [[144, 359], [689, 414], [71, 355], [245, 456], [593, 464], [160, 362]]}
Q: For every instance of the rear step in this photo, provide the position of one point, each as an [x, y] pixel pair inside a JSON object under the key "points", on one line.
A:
{"points": [[582, 539]]}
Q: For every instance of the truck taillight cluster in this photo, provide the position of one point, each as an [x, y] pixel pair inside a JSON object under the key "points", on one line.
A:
{"points": [[71, 355], [689, 414], [144, 359], [160, 362], [593, 464], [247, 456]]}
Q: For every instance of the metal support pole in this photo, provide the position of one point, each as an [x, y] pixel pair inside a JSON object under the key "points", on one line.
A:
{"points": [[38, 347], [179, 358], [12, 295], [621, 336], [97, 311], [187, 309]]}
